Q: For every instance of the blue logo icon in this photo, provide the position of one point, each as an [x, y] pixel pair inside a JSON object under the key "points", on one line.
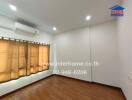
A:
{"points": [[117, 11]]}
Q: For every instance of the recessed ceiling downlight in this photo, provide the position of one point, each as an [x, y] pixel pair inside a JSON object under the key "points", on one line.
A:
{"points": [[12, 7], [54, 28], [88, 18]]}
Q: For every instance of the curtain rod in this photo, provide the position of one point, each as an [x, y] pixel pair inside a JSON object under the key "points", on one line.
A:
{"points": [[20, 40]]}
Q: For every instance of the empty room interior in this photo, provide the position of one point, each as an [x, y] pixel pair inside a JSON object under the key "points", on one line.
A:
{"points": [[65, 50]]}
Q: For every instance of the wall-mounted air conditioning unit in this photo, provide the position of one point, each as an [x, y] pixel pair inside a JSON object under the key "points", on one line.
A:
{"points": [[26, 29]]}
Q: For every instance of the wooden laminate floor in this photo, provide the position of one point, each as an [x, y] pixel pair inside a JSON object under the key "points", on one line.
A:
{"points": [[61, 88]]}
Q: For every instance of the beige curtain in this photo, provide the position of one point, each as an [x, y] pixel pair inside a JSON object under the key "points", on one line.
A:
{"points": [[14, 59], [19, 59], [5, 69], [40, 68], [33, 58], [22, 59], [43, 57]]}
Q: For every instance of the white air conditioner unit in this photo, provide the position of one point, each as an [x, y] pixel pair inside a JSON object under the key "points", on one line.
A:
{"points": [[26, 29]]}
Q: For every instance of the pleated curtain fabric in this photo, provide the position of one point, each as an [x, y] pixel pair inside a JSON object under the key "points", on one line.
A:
{"points": [[14, 59], [33, 58], [40, 68], [45, 59], [20, 58], [5, 57]]}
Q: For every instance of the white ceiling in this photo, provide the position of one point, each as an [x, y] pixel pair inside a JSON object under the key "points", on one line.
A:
{"points": [[64, 14]]}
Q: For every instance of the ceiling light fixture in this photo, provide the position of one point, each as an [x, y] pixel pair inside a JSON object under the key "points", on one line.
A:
{"points": [[13, 7], [54, 28], [88, 18]]}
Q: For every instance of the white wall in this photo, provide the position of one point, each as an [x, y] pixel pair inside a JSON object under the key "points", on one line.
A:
{"points": [[125, 47], [75, 46], [105, 53], [42, 37]]}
